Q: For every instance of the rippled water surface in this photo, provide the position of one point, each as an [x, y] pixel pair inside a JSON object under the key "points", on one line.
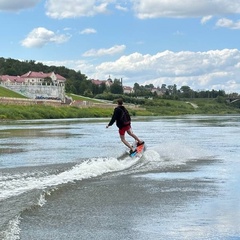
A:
{"points": [[62, 179]]}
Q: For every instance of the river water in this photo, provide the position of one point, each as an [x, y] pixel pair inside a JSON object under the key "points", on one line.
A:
{"points": [[62, 179]]}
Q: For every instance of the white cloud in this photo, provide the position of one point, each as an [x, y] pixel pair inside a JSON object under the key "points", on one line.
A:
{"points": [[88, 31], [105, 51], [121, 8], [205, 19], [199, 70], [72, 64], [75, 8], [184, 8], [227, 23], [144, 9], [39, 37], [15, 6], [215, 69]]}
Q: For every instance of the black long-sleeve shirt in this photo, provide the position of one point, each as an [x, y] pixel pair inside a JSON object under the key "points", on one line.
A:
{"points": [[118, 117]]}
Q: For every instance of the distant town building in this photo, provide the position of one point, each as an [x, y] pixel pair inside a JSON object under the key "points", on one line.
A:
{"points": [[109, 82], [127, 89], [39, 77], [33, 78], [11, 79], [32, 85], [98, 82], [158, 91]]}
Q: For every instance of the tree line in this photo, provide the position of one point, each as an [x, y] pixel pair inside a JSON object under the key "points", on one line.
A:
{"points": [[79, 83]]}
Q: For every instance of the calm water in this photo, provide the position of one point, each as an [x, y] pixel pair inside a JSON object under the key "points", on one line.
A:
{"points": [[61, 179]]}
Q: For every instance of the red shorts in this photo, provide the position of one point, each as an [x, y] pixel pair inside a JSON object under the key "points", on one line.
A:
{"points": [[124, 129]]}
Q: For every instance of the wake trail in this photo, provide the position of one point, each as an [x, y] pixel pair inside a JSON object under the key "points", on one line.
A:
{"points": [[156, 158], [13, 185]]}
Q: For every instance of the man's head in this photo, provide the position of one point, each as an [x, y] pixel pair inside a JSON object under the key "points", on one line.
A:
{"points": [[120, 102]]}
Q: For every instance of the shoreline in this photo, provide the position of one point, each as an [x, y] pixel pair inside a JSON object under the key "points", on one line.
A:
{"points": [[42, 109]]}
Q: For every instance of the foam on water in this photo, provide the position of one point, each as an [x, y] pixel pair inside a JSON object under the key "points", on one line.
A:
{"points": [[163, 155], [14, 185], [13, 230], [154, 158]]}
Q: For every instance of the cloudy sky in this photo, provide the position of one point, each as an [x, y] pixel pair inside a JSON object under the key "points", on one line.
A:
{"points": [[182, 42]]}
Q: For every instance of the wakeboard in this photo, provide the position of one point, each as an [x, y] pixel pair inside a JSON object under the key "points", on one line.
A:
{"points": [[139, 150], [135, 155]]}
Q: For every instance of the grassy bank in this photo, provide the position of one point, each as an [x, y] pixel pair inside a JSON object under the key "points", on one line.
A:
{"points": [[4, 92], [157, 107], [16, 112], [49, 112], [190, 106]]}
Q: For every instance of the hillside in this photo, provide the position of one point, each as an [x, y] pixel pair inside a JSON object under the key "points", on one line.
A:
{"points": [[103, 108], [4, 92]]}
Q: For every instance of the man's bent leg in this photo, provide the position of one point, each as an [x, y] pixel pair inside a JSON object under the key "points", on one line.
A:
{"points": [[130, 132], [126, 142]]}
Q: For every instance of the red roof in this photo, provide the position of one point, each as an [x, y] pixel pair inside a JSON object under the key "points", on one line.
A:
{"points": [[31, 74], [59, 77], [42, 75], [98, 82], [127, 88], [12, 78]]}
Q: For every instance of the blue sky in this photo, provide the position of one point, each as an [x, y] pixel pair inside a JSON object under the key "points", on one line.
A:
{"points": [[182, 42]]}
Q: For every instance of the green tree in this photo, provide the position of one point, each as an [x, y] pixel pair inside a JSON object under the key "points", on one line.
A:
{"points": [[116, 87], [186, 91]]}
